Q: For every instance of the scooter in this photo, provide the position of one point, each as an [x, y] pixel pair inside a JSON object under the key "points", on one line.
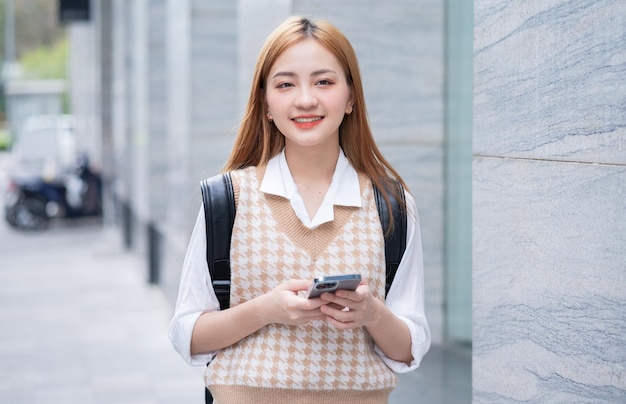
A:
{"points": [[32, 202]]}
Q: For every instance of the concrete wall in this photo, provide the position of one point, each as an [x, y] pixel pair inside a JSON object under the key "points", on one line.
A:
{"points": [[549, 217]]}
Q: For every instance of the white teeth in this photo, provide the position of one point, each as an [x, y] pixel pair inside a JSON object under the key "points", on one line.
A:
{"points": [[304, 120]]}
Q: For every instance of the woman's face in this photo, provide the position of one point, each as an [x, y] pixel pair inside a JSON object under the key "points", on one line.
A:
{"points": [[307, 95]]}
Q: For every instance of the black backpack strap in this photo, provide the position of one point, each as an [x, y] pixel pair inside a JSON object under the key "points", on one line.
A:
{"points": [[218, 198], [395, 241]]}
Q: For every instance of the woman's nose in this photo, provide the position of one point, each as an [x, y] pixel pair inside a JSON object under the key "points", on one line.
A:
{"points": [[305, 99]]}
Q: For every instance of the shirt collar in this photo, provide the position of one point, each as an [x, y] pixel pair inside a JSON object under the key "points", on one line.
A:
{"points": [[344, 190]]}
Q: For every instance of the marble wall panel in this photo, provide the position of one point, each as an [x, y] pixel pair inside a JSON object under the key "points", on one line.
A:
{"points": [[550, 79], [549, 292]]}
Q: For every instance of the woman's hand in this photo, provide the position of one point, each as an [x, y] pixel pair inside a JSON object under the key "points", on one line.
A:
{"points": [[347, 310], [282, 305], [218, 329], [351, 309]]}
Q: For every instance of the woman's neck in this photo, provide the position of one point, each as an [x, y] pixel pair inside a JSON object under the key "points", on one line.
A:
{"points": [[312, 164], [312, 172]]}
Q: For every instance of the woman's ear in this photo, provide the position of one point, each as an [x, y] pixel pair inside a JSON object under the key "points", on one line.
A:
{"points": [[350, 103], [349, 107], [266, 108]]}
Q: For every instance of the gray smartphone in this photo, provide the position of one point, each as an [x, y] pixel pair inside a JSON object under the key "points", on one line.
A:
{"points": [[331, 284]]}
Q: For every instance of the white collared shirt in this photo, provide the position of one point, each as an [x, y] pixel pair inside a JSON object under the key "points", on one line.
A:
{"points": [[405, 298]]}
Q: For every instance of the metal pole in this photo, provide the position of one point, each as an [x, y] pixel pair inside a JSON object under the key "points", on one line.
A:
{"points": [[8, 69]]}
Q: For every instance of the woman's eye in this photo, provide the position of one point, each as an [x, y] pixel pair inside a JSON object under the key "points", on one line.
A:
{"points": [[324, 82], [284, 85]]}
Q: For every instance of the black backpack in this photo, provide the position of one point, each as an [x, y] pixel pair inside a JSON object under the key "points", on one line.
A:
{"points": [[218, 198]]}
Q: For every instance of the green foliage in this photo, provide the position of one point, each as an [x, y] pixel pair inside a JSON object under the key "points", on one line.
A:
{"points": [[46, 62], [40, 43], [5, 139], [36, 24]]}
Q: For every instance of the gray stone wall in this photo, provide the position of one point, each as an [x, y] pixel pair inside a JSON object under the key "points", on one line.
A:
{"points": [[156, 116], [549, 217]]}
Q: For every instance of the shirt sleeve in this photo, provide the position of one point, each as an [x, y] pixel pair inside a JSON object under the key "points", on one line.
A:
{"points": [[195, 296], [406, 295]]}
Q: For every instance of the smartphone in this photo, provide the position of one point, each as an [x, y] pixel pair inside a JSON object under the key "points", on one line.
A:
{"points": [[331, 284]]}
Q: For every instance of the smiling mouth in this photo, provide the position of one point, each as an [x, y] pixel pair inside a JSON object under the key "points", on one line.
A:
{"points": [[308, 120]]}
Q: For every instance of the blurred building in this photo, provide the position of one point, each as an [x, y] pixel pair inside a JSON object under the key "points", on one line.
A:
{"points": [[25, 98], [505, 119]]}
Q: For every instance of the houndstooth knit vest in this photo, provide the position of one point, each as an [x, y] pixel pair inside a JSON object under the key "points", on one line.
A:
{"points": [[314, 363]]}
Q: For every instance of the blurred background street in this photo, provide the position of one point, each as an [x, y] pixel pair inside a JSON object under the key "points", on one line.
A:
{"points": [[80, 324]]}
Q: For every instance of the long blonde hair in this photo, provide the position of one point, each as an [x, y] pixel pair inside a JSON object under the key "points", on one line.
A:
{"points": [[258, 139]]}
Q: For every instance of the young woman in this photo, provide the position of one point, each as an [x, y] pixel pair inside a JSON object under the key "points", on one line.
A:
{"points": [[303, 166]]}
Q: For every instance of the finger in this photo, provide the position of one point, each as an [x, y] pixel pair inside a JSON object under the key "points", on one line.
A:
{"points": [[336, 306], [313, 315], [312, 304], [341, 325], [338, 301], [359, 294], [296, 285], [339, 315]]}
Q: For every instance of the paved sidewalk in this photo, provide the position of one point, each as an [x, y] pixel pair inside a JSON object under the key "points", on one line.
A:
{"points": [[79, 323]]}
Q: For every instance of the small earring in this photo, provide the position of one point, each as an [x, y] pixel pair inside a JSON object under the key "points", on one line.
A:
{"points": [[269, 117]]}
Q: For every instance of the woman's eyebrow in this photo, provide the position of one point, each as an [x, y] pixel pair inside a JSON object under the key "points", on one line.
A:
{"points": [[287, 74], [292, 74], [323, 71]]}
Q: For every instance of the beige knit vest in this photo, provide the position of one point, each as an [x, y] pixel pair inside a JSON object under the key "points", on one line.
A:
{"points": [[314, 363]]}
